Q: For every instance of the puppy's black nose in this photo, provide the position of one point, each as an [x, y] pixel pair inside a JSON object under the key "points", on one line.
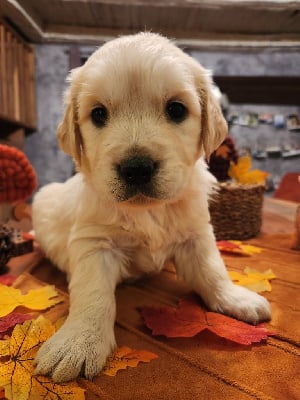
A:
{"points": [[137, 170]]}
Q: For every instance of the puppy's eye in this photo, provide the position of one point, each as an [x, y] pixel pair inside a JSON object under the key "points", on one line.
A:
{"points": [[99, 116], [176, 111]]}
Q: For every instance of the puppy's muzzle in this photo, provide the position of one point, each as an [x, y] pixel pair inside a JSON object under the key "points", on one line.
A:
{"points": [[137, 171]]}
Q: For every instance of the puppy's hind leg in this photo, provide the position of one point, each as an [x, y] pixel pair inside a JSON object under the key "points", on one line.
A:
{"points": [[199, 263]]}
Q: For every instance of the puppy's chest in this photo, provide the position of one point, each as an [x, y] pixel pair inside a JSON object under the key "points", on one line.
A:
{"points": [[155, 230], [150, 238], [145, 253]]}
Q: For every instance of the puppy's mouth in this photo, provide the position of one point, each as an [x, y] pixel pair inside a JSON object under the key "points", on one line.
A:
{"points": [[141, 200], [138, 196], [136, 176]]}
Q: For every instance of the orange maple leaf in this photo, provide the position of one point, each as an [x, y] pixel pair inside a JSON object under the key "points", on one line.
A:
{"points": [[223, 151], [125, 357], [189, 319], [17, 368], [237, 247]]}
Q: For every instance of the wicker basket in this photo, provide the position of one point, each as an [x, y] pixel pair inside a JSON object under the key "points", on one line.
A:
{"points": [[236, 211]]}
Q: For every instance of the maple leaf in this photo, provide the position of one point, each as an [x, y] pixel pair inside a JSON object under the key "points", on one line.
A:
{"points": [[242, 174], [238, 247], [253, 280], [223, 151], [17, 373], [36, 299], [9, 322], [7, 279], [189, 319], [125, 357]]}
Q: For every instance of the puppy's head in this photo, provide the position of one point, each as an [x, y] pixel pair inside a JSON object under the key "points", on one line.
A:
{"points": [[138, 115]]}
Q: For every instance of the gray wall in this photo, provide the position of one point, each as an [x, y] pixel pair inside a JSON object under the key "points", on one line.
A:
{"points": [[52, 65], [50, 163]]}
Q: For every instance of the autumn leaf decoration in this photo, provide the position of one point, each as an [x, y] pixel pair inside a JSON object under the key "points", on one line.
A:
{"points": [[36, 299], [8, 322], [17, 367], [189, 319], [125, 357], [253, 280], [237, 247], [22, 337], [7, 280], [241, 172]]}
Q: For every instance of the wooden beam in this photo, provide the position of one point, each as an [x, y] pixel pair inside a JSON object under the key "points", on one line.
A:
{"points": [[260, 89]]}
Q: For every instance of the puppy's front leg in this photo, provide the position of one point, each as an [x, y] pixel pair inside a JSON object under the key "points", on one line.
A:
{"points": [[199, 263], [86, 339]]}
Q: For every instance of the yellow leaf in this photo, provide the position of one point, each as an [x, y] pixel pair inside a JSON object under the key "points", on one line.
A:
{"points": [[4, 348], [36, 299], [17, 374], [242, 174], [125, 357], [253, 280]]}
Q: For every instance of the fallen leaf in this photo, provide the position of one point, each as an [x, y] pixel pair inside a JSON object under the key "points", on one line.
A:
{"points": [[237, 247], [2, 394], [125, 357], [8, 323], [241, 172], [7, 279], [17, 373], [189, 319], [223, 151], [36, 299], [253, 280]]}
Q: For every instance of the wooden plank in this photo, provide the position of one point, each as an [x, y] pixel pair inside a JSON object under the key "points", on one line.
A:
{"points": [[260, 89], [16, 86], [3, 102], [8, 38], [31, 93], [24, 94]]}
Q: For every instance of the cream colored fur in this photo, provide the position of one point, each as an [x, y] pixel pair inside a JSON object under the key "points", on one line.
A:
{"points": [[88, 227]]}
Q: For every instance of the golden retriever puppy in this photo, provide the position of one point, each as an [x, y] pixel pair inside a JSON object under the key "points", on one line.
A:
{"points": [[140, 115]]}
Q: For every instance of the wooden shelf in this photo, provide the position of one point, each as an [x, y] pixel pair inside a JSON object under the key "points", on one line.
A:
{"points": [[8, 126], [17, 76]]}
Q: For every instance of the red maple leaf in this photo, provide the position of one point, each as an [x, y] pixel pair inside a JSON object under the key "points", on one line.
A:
{"points": [[10, 321], [189, 319], [7, 279]]}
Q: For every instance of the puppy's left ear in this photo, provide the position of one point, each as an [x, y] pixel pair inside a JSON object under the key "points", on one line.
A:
{"points": [[214, 127]]}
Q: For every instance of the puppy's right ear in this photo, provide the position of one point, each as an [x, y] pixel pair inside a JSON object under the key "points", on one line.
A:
{"points": [[69, 136]]}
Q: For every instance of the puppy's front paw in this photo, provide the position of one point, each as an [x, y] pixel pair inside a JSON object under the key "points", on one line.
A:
{"points": [[73, 351], [241, 303]]}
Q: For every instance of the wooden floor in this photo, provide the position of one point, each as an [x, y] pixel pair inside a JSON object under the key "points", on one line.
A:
{"points": [[205, 367]]}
